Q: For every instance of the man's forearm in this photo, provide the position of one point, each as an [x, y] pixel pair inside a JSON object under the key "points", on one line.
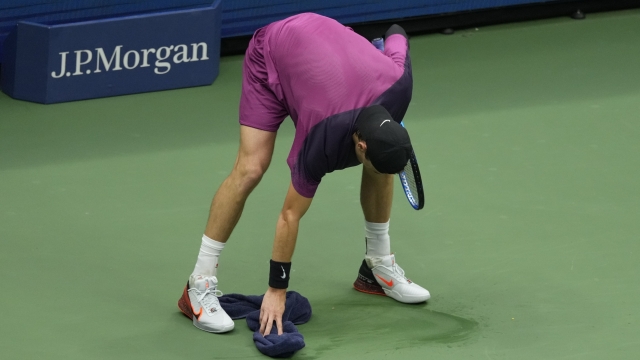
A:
{"points": [[286, 235], [294, 208]]}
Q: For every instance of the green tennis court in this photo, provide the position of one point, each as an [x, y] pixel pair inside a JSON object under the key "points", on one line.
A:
{"points": [[528, 137]]}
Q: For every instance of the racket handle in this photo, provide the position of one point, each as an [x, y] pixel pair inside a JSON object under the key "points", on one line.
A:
{"points": [[378, 43]]}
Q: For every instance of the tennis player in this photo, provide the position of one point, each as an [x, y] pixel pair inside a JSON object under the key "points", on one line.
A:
{"points": [[346, 99]]}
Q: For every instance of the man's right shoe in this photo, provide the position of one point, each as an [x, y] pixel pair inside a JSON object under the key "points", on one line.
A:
{"points": [[382, 276], [199, 302]]}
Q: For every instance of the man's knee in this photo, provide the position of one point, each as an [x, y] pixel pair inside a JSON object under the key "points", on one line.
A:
{"points": [[249, 174], [254, 156]]}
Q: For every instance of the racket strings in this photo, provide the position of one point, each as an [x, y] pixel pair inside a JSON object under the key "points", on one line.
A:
{"points": [[411, 181]]}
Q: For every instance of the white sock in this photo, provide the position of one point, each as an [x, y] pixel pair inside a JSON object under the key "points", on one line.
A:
{"points": [[207, 263], [378, 241]]}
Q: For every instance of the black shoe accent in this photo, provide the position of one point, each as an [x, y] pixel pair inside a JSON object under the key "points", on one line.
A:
{"points": [[366, 281], [365, 274]]}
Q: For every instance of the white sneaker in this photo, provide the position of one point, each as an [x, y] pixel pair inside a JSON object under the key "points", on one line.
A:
{"points": [[199, 302], [382, 276]]}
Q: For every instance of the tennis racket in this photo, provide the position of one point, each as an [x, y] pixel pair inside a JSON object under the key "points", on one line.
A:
{"points": [[409, 177], [412, 181]]}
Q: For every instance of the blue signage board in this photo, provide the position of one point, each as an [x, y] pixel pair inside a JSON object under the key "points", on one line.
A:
{"points": [[125, 55]]}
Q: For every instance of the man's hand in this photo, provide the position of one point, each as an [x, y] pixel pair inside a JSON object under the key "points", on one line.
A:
{"points": [[272, 310]]}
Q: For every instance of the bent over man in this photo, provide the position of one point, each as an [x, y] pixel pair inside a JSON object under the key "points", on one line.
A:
{"points": [[346, 99]]}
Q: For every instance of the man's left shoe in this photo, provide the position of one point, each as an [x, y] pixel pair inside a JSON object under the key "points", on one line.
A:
{"points": [[382, 276], [199, 302]]}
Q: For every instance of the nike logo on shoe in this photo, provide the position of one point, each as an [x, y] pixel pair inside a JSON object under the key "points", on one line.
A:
{"points": [[389, 283], [194, 312]]}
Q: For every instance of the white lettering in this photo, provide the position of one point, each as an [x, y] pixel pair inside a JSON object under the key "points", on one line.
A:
{"points": [[160, 63], [145, 57], [195, 47], [164, 57], [103, 57], [63, 55], [125, 60], [182, 56], [79, 61]]}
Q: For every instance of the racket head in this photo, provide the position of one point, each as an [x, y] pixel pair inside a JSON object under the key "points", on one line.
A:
{"points": [[412, 183]]}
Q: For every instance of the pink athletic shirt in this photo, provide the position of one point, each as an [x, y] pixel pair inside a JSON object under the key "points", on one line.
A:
{"points": [[322, 74]]}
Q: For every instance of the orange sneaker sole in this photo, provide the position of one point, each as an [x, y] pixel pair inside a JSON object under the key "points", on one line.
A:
{"points": [[368, 288]]}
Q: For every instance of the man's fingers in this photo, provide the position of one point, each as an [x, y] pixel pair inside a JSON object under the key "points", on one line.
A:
{"points": [[279, 324], [271, 311], [263, 322], [267, 330]]}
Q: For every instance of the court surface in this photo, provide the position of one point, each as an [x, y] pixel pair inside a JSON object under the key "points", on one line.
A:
{"points": [[528, 136]]}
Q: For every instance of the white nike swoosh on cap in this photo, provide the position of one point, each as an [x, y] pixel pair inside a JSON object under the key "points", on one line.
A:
{"points": [[385, 122]]}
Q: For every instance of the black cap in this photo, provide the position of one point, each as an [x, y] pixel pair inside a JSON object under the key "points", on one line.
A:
{"points": [[388, 143]]}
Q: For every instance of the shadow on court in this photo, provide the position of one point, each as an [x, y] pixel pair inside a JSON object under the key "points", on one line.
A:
{"points": [[376, 325]]}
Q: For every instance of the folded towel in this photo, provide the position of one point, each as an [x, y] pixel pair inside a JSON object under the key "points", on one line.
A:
{"points": [[297, 311]]}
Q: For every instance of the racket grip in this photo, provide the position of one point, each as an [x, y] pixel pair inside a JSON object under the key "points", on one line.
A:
{"points": [[378, 43]]}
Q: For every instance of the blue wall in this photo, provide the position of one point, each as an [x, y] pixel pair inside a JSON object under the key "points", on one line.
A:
{"points": [[239, 17], [242, 17]]}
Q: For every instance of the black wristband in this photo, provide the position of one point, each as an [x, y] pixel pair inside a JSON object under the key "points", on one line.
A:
{"points": [[279, 274]]}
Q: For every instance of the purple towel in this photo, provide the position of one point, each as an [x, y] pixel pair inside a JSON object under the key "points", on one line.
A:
{"points": [[297, 311]]}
